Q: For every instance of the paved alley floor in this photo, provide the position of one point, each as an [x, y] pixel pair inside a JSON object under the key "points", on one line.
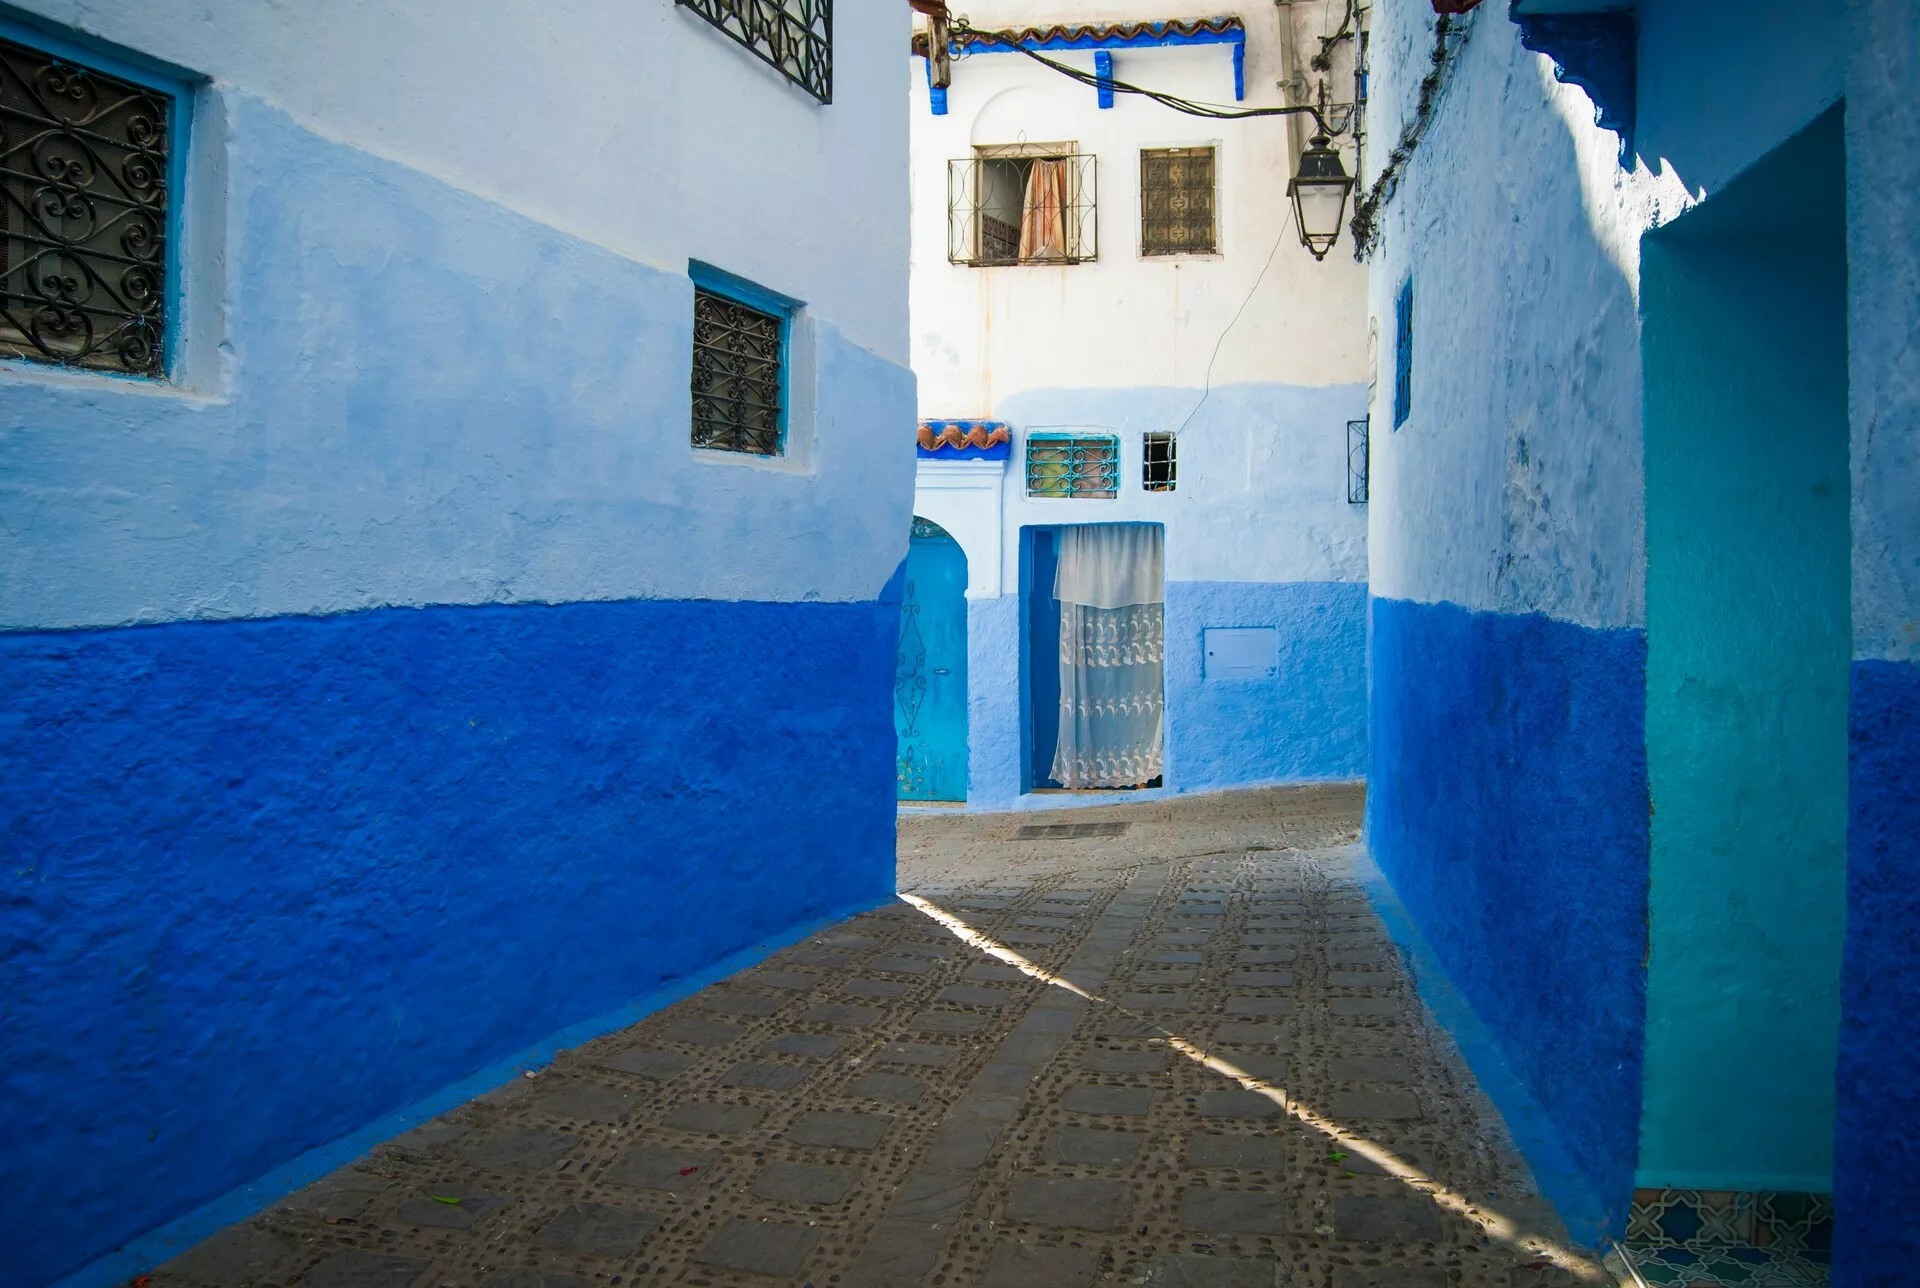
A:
{"points": [[1165, 1044]]}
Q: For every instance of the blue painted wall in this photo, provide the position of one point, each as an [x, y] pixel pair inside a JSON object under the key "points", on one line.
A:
{"points": [[1877, 1119], [291, 842], [1877, 1133], [270, 880], [1307, 722], [1507, 803]]}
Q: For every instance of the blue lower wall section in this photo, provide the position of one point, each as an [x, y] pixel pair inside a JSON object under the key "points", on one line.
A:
{"points": [[1307, 722], [1877, 1131], [296, 873], [1507, 804]]}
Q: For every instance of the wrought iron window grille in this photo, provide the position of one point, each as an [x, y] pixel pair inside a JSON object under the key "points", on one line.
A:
{"points": [[1159, 462], [739, 360], [1359, 461], [794, 37], [1176, 201], [84, 206], [1073, 466], [1022, 203]]}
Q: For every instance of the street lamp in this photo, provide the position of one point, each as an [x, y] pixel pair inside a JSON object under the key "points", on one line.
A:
{"points": [[1319, 190]]}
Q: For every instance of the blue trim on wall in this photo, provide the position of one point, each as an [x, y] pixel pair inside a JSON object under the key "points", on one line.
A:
{"points": [[301, 872], [1599, 52], [239, 1204], [1158, 36], [936, 94], [1877, 1132], [1507, 802], [1403, 353]]}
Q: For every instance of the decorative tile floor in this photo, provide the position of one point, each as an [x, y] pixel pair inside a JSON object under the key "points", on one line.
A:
{"points": [[1177, 1055], [1695, 1238]]}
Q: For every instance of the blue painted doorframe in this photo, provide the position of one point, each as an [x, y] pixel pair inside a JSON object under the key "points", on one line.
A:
{"points": [[930, 670]]}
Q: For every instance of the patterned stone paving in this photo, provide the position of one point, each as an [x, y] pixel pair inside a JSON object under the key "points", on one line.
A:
{"points": [[889, 1105]]}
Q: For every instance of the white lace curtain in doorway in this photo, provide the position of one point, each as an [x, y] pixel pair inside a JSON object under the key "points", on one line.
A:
{"points": [[1108, 582]]}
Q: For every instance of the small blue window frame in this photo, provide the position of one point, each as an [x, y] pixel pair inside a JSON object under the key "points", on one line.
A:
{"points": [[1403, 353], [178, 84], [755, 296]]}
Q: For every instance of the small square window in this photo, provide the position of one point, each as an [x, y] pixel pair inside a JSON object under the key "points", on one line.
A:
{"points": [[739, 375], [1159, 462], [84, 215], [1077, 466], [1176, 201]]}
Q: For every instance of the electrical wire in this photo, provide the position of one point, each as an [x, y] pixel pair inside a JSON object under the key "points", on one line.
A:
{"points": [[1206, 385], [1209, 111]]}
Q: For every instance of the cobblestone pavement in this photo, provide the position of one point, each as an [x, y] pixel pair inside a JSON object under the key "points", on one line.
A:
{"points": [[1166, 1044]]}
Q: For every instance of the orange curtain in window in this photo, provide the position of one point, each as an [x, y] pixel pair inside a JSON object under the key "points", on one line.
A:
{"points": [[1043, 216]]}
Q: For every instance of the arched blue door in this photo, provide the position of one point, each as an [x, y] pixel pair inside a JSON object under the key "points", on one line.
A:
{"points": [[930, 670]]}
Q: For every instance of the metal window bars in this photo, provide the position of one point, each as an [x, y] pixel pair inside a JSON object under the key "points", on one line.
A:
{"points": [[794, 37], [1176, 201], [1359, 461], [83, 216], [1083, 467], [737, 357], [1159, 462], [1022, 204]]}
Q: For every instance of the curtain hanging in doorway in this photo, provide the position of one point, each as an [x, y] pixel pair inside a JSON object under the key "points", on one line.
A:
{"points": [[1108, 582], [1043, 213]]}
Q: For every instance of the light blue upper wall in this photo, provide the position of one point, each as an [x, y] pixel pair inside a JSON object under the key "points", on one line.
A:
{"points": [[1883, 198], [1515, 483], [637, 127], [1262, 492], [424, 397]]}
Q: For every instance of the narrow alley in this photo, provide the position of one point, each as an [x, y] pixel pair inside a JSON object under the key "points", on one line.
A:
{"points": [[1155, 1044], [891, 644]]}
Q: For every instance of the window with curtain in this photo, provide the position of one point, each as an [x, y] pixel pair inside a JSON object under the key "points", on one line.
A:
{"points": [[1112, 651], [1021, 204]]}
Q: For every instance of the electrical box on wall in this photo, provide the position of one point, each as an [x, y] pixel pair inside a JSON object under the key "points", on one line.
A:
{"points": [[1241, 652]]}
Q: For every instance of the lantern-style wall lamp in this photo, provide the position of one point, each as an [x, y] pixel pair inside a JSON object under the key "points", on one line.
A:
{"points": [[1320, 189]]}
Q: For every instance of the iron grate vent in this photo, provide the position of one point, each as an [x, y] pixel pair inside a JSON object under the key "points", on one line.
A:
{"points": [[1069, 831]]}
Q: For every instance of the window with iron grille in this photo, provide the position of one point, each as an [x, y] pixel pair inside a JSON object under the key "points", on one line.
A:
{"points": [[739, 356], [1073, 465], [1176, 201], [1403, 354], [1359, 462], [794, 37], [1024, 203], [84, 210], [1159, 462]]}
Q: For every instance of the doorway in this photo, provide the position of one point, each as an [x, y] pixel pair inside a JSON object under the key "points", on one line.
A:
{"points": [[930, 670], [1093, 656], [1748, 646]]}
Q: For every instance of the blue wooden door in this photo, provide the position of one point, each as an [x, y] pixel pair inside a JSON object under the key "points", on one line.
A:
{"points": [[930, 671]]}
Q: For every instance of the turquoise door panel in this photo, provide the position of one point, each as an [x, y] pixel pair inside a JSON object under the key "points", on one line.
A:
{"points": [[930, 671]]}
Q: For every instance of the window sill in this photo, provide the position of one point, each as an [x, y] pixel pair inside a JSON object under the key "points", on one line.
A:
{"points": [[23, 373], [781, 464]]}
